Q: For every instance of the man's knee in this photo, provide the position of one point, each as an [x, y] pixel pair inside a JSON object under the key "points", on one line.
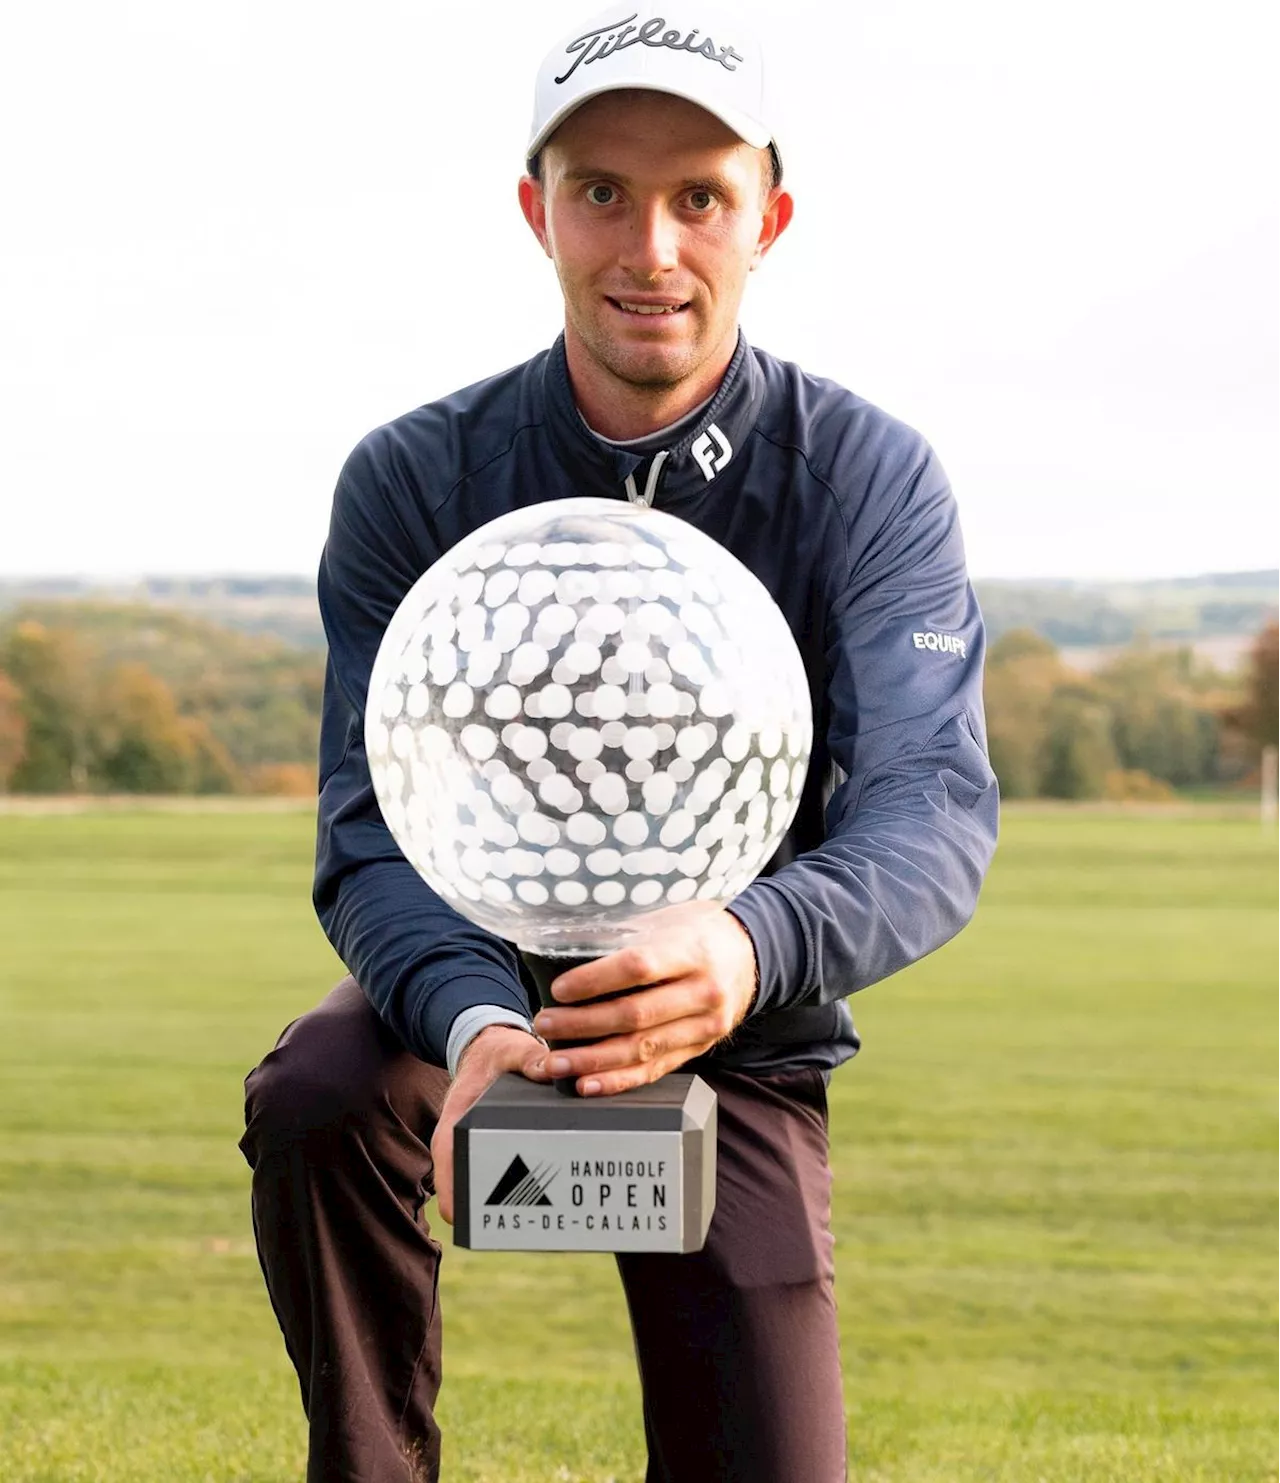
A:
{"points": [[333, 1071], [287, 1103]]}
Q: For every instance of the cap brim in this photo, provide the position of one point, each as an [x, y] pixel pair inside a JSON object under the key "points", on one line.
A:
{"points": [[750, 130]]}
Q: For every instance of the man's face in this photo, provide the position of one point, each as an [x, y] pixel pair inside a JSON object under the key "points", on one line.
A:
{"points": [[653, 213]]}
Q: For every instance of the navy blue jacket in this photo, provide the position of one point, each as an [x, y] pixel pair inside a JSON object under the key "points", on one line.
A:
{"points": [[846, 517]]}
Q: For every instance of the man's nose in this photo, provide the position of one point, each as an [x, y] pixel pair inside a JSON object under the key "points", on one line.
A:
{"points": [[653, 245]]}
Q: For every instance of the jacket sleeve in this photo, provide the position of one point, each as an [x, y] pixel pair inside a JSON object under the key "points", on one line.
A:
{"points": [[419, 962], [911, 828]]}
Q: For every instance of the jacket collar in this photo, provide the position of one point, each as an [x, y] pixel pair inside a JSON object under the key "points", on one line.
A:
{"points": [[703, 457]]}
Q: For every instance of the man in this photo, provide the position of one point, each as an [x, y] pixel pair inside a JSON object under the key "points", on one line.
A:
{"points": [[654, 186]]}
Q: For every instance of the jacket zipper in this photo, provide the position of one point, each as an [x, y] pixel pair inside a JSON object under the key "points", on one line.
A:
{"points": [[650, 483]]}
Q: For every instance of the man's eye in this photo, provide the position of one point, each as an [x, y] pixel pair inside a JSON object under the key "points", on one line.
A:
{"points": [[701, 200], [600, 195]]}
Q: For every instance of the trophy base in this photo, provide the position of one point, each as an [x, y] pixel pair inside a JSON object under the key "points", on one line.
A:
{"points": [[537, 1171]]}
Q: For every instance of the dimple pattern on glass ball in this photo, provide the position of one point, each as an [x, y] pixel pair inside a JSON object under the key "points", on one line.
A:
{"points": [[582, 712]]}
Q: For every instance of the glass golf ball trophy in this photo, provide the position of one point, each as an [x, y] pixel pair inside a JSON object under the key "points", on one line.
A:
{"points": [[584, 712]]}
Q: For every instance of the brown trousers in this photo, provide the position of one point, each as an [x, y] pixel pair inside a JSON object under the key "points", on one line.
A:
{"points": [[737, 1345]]}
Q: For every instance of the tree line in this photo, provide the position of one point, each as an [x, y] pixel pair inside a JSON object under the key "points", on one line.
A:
{"points": [[129, 698], [120, 698], [1147, 723]]}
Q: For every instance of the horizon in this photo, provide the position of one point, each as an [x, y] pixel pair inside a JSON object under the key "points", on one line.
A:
{"points": [[244, 574]]}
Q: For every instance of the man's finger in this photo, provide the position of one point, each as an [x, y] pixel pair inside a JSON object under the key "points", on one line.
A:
{"points": [[608, 1083], [631, 967], [682, 1038], [641, 1010], [535, 1068], [442, 1159]]}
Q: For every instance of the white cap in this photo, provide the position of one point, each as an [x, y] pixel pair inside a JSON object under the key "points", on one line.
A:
{"points": [[687, 48]]}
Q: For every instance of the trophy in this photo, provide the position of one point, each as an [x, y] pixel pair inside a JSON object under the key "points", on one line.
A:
{"points": [[585, 711]]}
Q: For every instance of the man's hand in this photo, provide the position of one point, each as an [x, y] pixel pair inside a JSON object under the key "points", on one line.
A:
{"points": [[697, 966], [496, 1049]]}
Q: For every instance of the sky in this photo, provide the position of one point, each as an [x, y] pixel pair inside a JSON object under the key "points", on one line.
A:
{"points": [[240, 235]]}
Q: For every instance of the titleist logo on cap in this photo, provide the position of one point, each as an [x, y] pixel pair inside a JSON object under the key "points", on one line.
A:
{"points": [[594, 46]]}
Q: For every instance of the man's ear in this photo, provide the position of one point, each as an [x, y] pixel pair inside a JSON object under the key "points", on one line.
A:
{"points": [[777, 218], [534, 205]]}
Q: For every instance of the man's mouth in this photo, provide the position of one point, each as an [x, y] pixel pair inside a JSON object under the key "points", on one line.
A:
{"points": [[631, 306]]}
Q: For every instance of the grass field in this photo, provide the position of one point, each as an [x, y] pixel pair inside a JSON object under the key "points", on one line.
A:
{"points": [[1055, 1176]]}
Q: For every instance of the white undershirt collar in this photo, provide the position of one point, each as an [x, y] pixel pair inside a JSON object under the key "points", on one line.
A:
{"points": [[662, 437]]}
